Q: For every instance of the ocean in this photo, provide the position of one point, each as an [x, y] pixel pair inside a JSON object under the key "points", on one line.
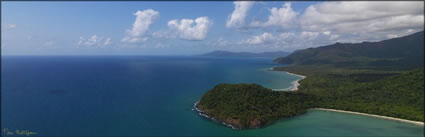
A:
{"points": [[152, 96]]}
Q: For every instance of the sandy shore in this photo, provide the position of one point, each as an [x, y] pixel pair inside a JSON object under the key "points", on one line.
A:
{"points": [[295, 84], [372, 115]]}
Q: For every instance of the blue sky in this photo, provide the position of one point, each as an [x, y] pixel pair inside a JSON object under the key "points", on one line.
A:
{"points": [[187, 28]]}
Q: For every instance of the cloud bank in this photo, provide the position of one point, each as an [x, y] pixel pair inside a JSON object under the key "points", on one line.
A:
{"points": [[364, 18], [329, 22]]}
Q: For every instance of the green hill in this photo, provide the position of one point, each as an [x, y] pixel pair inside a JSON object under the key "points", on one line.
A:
{"points": [[250, 105], [397, 94], [384, 78], [403, 52]]}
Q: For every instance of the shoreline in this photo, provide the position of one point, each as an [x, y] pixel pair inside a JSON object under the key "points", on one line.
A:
{"points": [[295, 83], [418, 123], [294, 87], [202, 113]]}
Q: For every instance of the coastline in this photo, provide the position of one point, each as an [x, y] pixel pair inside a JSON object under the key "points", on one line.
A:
{"points": [[295, 83], [295, 88], [372, 115], [202, 113]]}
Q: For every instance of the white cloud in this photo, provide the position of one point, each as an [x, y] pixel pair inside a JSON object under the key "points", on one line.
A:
{"points": [[11, 26], [283, 17], [260, 39], [364, 20], [329, 22], [237, 18], [327, 32], [94, 41], [305, 39], [143, 20], [190, 29], [309, 35]]}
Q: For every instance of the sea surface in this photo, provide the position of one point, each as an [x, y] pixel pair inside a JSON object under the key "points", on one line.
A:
{"points": [[152, 96]]}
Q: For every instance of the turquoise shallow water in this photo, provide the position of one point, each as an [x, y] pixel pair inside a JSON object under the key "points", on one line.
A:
{"points": [[152, 96]]}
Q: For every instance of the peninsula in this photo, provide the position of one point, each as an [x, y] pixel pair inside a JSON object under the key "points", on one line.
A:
{"points": [[243, 106]]}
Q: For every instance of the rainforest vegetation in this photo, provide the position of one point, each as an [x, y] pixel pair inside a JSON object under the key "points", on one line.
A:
{"points": [[384, 78]]}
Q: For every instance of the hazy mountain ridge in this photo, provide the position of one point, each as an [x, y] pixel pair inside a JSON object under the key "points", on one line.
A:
{"points": [[221, 53], [407, 52]]}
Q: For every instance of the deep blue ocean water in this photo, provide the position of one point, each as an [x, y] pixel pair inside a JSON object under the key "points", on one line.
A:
{"points": [[152, 96]]}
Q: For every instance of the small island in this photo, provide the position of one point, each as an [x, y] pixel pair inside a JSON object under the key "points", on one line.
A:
{"points": [[243, 106]]}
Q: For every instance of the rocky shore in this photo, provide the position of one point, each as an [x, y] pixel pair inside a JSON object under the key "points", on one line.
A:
{"points": [[202, 113]]}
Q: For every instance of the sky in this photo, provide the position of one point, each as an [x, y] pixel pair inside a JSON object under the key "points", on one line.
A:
{"points": [[190, 28]]}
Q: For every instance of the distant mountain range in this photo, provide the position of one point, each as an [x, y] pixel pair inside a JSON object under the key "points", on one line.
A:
{"points": [[404, 52], [220, 53]]}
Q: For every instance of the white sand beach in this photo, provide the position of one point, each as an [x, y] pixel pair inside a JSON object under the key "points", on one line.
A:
{"points": [[295, 84], [372, 115]]}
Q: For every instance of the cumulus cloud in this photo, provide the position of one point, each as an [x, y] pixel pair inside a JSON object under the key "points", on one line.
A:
{"points": [[237, 18], [364, 19], [140, 26], [94, 41], [190, 29], [283, 17]]}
